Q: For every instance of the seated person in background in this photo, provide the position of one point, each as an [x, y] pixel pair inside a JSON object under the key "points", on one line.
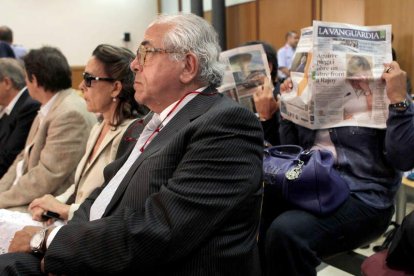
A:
{"points": [[18, 112], [186, 200], [6, 35], [108, 89], [57, 138], [266, 100], [369, 160]]}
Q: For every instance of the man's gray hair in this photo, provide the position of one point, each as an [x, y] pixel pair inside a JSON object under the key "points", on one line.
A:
{"points": [[191, 33], [11, 68]]}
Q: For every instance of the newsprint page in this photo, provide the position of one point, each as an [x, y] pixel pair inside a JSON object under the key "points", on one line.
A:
{"points": [[246, 68], [336, 74]]}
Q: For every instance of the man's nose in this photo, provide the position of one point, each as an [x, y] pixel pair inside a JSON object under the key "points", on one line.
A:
{"points": [[134, 66]]}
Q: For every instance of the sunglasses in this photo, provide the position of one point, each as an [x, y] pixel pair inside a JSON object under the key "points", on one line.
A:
{"points": [[88, 78]]}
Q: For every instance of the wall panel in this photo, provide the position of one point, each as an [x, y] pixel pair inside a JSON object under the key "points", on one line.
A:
{"points": [[399, 14], [241, 23], [276, 18], [77, 75], [350, 11]]}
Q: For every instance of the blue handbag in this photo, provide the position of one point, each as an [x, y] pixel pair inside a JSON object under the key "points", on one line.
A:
{"points": [[306, 179]]}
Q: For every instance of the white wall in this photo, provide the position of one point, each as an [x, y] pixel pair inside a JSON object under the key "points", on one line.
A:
{"points": [[76, 27], [171, 6]]}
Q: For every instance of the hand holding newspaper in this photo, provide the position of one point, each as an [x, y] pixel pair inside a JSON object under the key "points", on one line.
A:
{"points": [[336, 75], [247, 68]]}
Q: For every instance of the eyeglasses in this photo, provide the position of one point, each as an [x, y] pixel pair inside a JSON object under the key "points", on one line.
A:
{"points": [[88, 78], [143, 51]]}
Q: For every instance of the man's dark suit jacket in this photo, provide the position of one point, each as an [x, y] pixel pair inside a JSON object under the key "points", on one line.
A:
{"points": [[14, 129], [189, 205], [6, 51]]}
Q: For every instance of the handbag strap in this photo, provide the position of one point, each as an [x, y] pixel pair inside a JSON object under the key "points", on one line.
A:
{"points": [[285, 151]]}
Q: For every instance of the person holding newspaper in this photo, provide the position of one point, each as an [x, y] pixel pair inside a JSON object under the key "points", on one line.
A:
{"points": [[266, 96], [370, 161]]}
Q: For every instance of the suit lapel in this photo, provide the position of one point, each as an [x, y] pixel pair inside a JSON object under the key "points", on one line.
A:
{"points": [[20, 101], [84, 161], [6, 122], [110, 135], [195, 108]]}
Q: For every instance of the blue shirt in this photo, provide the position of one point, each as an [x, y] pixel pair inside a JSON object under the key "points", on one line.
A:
{"points": [[370, 160], [284, 59], [19, 51]]}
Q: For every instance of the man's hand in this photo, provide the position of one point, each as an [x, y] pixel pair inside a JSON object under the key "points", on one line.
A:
{"points": [[286, 86], [21, 239], [48, 203], [266, 104], [37, 213], [396, 82]]}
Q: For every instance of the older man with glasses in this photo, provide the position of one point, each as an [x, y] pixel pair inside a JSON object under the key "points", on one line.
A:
{"points": [[186, 199]]}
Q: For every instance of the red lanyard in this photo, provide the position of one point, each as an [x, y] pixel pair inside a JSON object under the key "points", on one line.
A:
{"points": [[169, 113]]}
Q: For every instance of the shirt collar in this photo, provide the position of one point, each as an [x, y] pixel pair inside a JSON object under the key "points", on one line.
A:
{"points": [[44, 109], [9, 108], [163, 115]]}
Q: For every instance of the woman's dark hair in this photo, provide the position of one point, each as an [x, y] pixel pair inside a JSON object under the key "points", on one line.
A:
{"points": [[116, 62], [50, 67], [270, 54]]}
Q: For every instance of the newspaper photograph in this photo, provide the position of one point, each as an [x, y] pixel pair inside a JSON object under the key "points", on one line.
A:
{"points": [[336, 75], [246, 68]]}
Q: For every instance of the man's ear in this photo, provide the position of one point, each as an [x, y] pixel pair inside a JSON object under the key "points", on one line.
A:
{"points": [[34, 80], [7, 82], [190, 70]]}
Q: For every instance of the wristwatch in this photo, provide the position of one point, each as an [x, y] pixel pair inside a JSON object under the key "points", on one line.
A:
{"points": [[38, 241], [401, 106]]}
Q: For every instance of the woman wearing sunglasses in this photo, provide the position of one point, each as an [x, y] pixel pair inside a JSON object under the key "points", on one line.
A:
{"points": [[108, 90]]}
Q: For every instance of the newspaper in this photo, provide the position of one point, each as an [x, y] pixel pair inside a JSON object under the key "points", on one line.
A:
{"points": [[336, 74], [246, 68], [12, 221]]}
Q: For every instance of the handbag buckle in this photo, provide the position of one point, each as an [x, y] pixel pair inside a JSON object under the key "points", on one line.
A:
{"points": [[295, 172]]}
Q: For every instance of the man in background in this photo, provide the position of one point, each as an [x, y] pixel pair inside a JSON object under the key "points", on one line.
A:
{"points": [[18, 112], [285, 55], [57, 137], [6, 35]]}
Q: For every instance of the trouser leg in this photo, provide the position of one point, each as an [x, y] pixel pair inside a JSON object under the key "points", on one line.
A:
{"points": [[296, 240]]}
